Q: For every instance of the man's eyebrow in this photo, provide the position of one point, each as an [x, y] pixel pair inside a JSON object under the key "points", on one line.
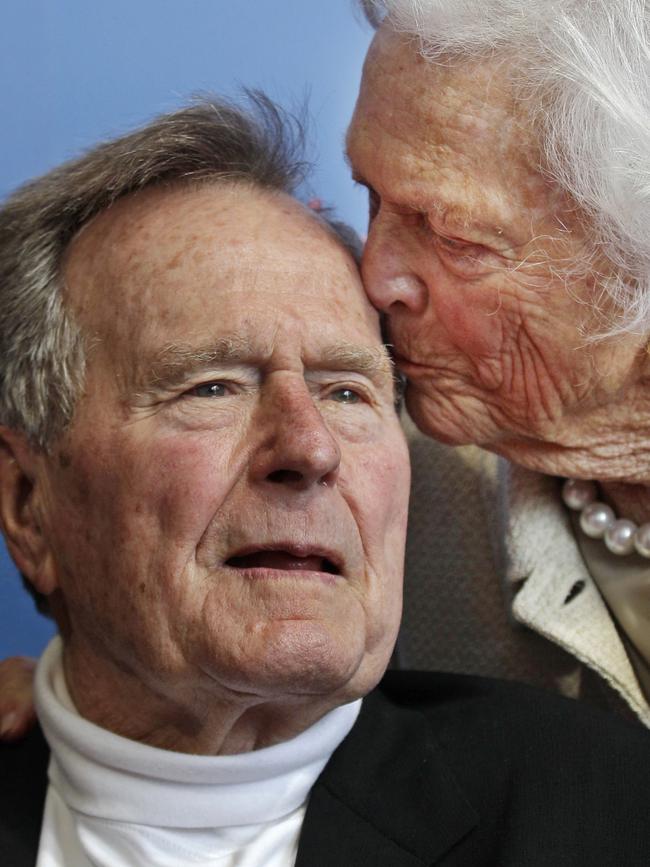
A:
{"points": [[374, 361], [174, 363]]}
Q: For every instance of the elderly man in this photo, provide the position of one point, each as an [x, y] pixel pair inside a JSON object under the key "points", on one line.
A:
{"points": [[203, 476]]}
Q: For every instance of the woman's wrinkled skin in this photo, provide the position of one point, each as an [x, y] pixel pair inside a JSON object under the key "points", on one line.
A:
{"points": [[484, 269]]}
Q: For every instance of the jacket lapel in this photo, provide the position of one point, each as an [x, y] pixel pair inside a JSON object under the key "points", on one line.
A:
{"points": [[23, 770], [386, 797]]}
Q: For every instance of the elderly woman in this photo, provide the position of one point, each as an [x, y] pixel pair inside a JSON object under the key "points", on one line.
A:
{"points": [[506, 150]]}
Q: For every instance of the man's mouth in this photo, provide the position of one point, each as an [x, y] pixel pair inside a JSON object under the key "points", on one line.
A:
{"points": [[284, 560]]}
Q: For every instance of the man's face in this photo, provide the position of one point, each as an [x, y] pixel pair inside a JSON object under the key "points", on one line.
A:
{"points": [[227, 512], [478, 260]]}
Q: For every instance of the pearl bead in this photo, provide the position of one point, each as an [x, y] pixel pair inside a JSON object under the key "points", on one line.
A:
{"points": [[595, 519], [578, 493], [619, 537], [642, 540]]}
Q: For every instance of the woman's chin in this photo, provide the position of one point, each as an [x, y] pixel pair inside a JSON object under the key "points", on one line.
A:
{"points": [[433, 418]]}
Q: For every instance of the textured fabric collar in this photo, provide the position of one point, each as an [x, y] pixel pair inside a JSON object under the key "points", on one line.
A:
{"points": [[557, 597]]}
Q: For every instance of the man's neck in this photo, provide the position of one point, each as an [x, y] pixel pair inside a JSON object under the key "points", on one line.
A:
{"points": [[193, 720]]}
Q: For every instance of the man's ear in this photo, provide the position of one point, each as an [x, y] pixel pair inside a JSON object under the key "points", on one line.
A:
{"points": [[20, 515]]}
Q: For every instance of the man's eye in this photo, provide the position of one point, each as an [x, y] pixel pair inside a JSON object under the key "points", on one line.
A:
{"points": [[345, 395], [208, 389]]}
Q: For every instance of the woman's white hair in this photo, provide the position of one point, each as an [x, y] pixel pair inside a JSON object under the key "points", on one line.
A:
{"points": [[583, 67]]}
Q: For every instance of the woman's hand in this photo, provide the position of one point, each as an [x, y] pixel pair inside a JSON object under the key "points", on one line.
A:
{"points": [[17, 714]]}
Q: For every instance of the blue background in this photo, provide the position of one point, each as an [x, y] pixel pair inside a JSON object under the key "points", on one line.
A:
{"points": [[75, 71]]}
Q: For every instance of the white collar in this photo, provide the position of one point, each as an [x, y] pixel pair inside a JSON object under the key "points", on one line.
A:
{"points": [[102, 774]]}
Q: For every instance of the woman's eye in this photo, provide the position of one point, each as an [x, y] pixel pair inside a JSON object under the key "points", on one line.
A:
{"points": [[454, 244], [460, 248], [209, 389], [462, 256], [345, 395]]}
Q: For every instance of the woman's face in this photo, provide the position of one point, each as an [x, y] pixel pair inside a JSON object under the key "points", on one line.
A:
{"points": [[481, 264]]}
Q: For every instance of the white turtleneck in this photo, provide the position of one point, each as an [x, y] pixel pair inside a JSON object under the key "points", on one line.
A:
{"points": [[114, 802]]}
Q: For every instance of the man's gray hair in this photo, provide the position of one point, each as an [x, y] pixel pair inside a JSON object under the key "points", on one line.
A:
{"points": [[41, 347], [583, 68]]}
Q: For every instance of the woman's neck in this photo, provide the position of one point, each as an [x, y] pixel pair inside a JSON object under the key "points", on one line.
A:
{"points": [[630, 501]]}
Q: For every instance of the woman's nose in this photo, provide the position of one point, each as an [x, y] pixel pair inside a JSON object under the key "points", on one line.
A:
{"points": [[388, 276]]}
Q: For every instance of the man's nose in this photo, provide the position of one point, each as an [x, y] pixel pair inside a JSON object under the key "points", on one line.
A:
{"points": [[389, 278], [299, 450]]}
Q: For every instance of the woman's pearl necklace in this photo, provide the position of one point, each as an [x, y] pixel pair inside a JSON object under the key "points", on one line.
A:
{"points": [[599, 521]]}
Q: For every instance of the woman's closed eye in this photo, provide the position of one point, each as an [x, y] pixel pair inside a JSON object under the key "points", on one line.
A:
{"points": [[460, 247], [466, 257]]}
